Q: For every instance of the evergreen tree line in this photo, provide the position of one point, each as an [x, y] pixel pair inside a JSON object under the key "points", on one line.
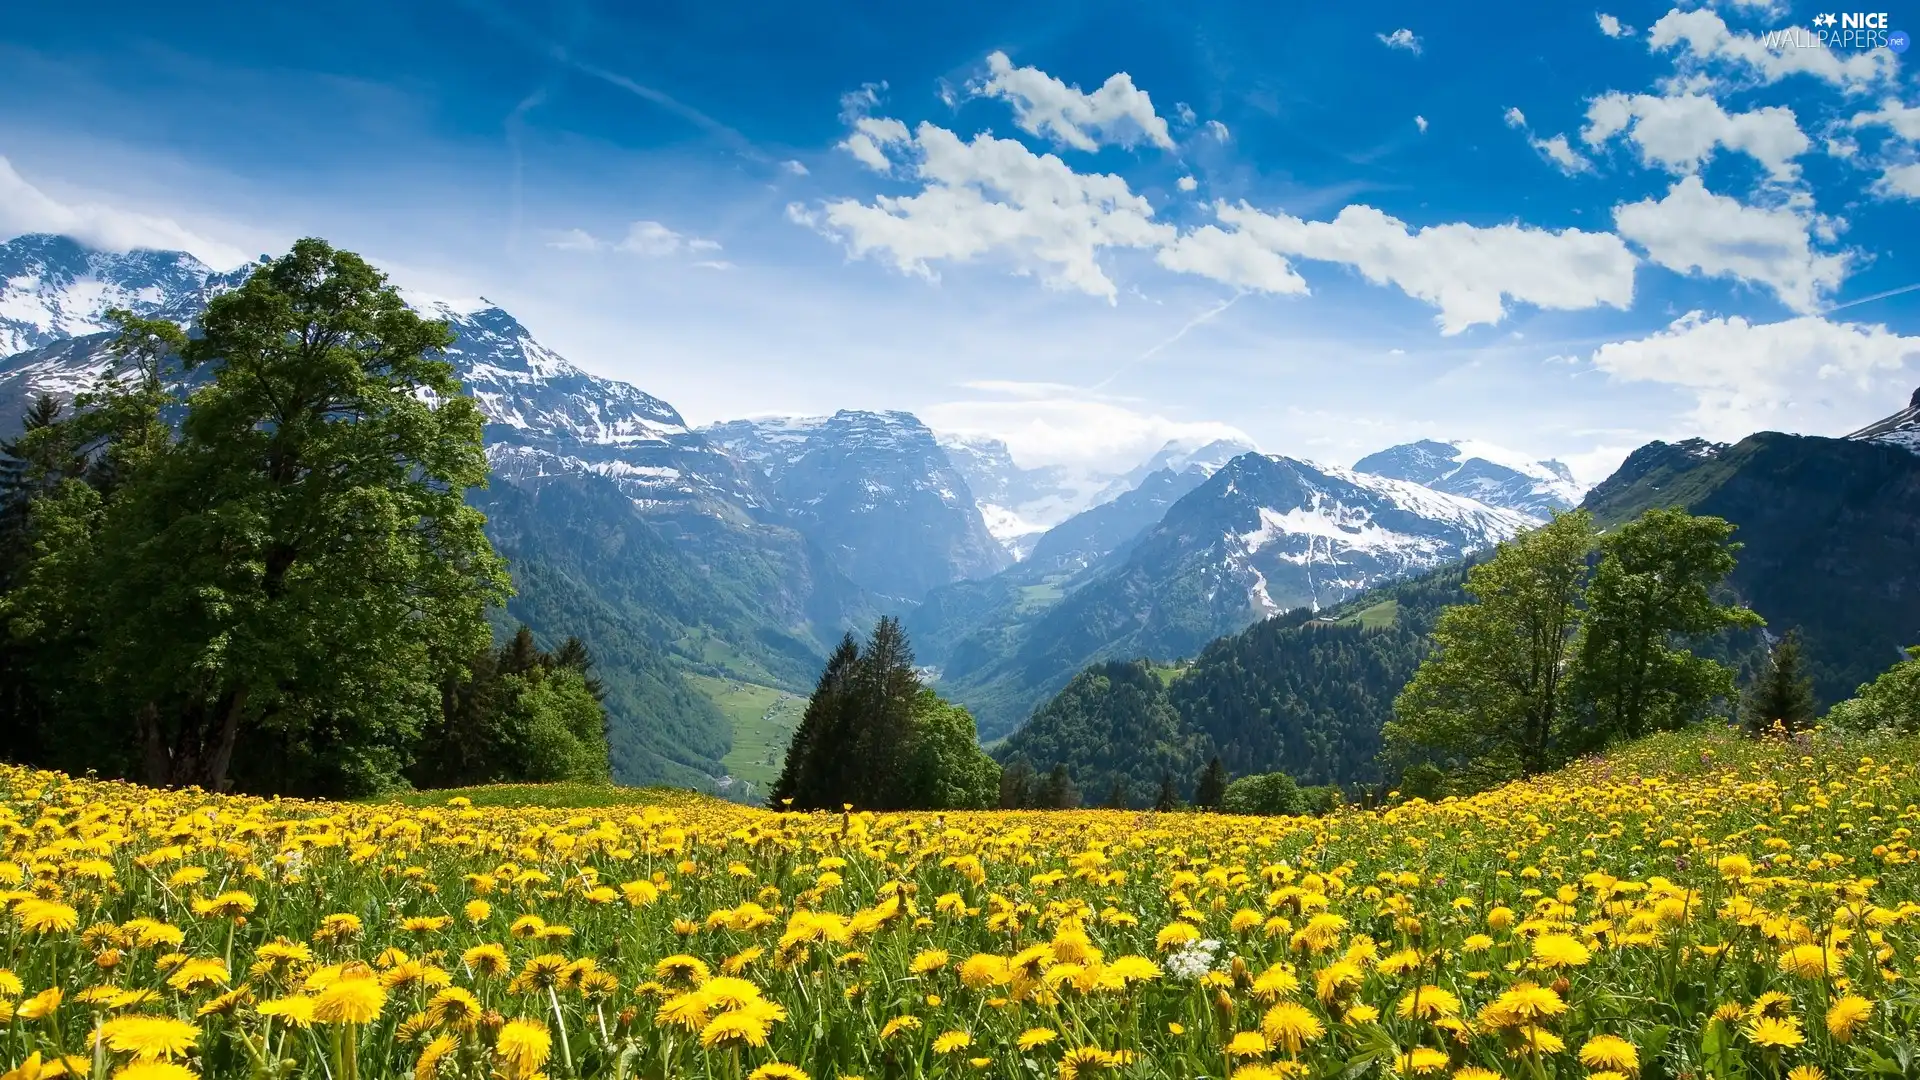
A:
{"points": [[874, 737], [244, 559]]}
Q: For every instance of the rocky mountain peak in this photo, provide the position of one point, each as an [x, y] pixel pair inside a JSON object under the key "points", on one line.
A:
{"points": [[1478, 471]]}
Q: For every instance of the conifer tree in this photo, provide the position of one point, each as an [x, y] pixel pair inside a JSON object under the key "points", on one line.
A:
{"points": [[1211, 786], [1058, 791], [821, 733], [1116, 796], [1169, 796], [1016, 786], [1782, 693]]}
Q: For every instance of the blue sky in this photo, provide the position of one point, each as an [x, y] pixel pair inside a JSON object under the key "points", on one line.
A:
{"points": [[1086, 228]]}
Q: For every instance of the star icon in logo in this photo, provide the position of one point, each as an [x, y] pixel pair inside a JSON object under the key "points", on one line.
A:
{"points": [[1824, 20]]}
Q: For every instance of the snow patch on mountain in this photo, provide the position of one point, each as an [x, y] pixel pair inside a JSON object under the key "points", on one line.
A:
{"points": [[1902, 429], [1482, 471]]}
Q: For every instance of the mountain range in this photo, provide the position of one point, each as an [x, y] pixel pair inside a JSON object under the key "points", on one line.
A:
{"points": [[741, 550]]}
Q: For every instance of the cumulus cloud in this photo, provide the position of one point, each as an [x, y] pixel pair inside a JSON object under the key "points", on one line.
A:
{"points": [[794, 168], [1692, 230], [992, 196], [1468, 272], [1053, 423], [1680, 132], [1900, 181], [1612, 26], [649, 238], [1705, 39], [25, 208], [870, 134], [1556, 149], [1902, 118], [1559, 151], [1402, 38], [1118, 112], [1806, 374], [1421, 123], [1218, 130], [1186, 183]]}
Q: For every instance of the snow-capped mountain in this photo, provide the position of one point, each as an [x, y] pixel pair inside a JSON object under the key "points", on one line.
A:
{"points": [[1261, 535], [52, 288], [876, 492], [1177, 455], [1900, 429], [1020, 504], [1479, 471]]}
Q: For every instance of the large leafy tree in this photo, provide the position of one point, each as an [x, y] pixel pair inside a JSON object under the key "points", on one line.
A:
{"points": [[1493, 698], [297, 565], [1651, 596]]}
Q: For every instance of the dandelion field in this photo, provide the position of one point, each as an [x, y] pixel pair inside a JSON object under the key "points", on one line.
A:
{"points": [[1695, 906]]}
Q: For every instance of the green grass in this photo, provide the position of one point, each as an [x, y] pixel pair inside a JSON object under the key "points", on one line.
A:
{"points": [[762, 718], [549, 795], [1378, 617], [1166, 673], [1035, 597]]}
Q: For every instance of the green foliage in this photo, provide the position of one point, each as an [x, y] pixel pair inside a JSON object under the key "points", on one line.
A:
{"points": [[295, 566], [1554, 657], [1211, 787], [1889, 704], [873, 737], [1263, 793], [1057, 791], [1113, 724], [1782, 694], [520, 715], [1647, 601], [1827, 540], [1491, 697], [246, 559]]}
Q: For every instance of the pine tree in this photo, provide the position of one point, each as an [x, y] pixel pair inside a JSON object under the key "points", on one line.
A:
{"points": [[1781, 693], [1169, 797], [1016, 786], [1211, 786], [821, 735], [886, 688], [1116, 796], [1058, 791]]}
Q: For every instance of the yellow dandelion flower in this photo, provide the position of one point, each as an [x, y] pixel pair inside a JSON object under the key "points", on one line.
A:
{"points": [[1845, 1016], [350, 1001], [1610, 1052]]}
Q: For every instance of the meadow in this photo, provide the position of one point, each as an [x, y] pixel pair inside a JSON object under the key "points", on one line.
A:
{"points": [[1697, 905]]}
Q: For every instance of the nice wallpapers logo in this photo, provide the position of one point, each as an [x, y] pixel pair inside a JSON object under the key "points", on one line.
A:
{"points": [[1845, 30]]}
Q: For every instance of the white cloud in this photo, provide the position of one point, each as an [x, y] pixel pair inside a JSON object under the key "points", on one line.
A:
{"points": [[1903, 119], [1555, 149], [794, 168], [1186, 183], [1844, 149], [855, 104], [1706, 38], [1402, 38], [1611, 26], [1118, 112], [994, 196], [1184, 113], [1466, 271], [1902, 181], [1218, 130], [1805, 374], [1057, 424], [1680, 132], [870, 134], [1561, 153], [1421, 123], [1693, 230], [649, 238], [25, 208]]}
